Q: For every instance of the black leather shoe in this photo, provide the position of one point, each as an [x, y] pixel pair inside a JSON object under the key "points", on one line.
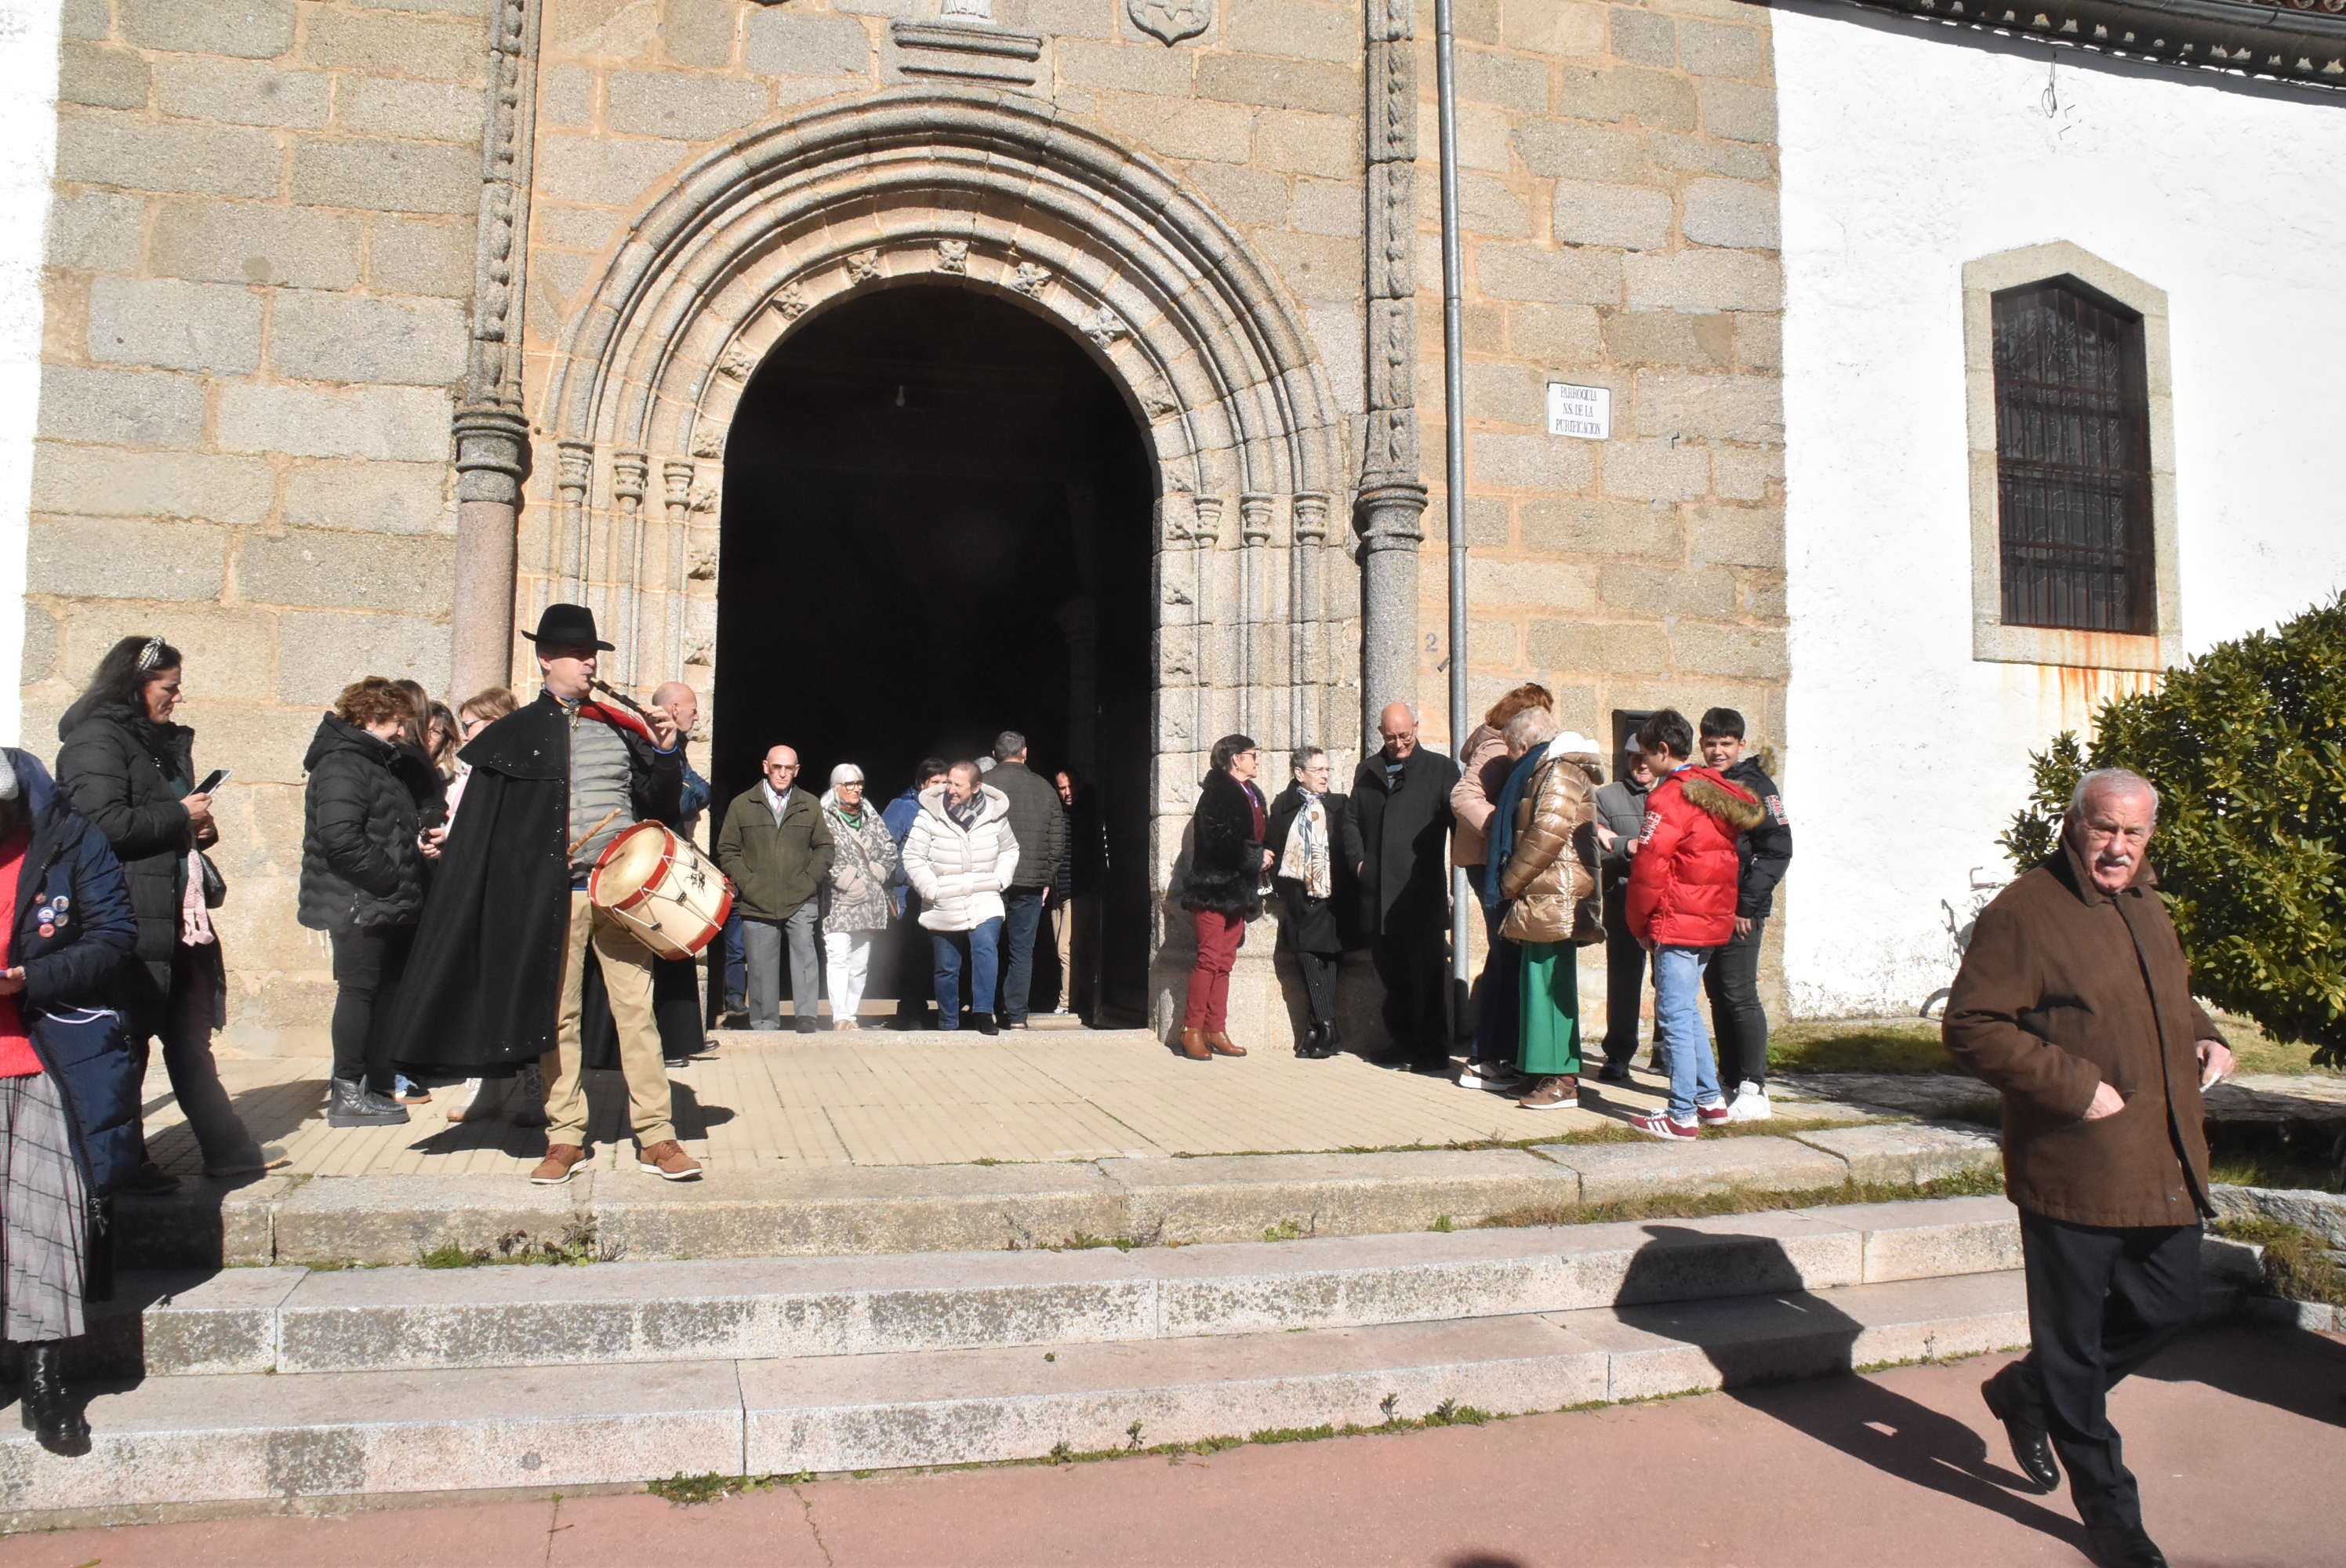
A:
{"points": [[983, 1024], [2126, 1546], [48, 1413], [2032, 1449], [1613, 1073]]}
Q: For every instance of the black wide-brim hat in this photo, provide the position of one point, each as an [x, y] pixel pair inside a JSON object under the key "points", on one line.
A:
{"points": [[568, 625]]}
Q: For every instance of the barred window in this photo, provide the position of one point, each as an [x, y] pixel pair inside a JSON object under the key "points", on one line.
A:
{"points": [[2073, 460]]}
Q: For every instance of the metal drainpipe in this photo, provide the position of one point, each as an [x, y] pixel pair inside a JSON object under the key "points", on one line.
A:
{"points": [[1453, 467]]}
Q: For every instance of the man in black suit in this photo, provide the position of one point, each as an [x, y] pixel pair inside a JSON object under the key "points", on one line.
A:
{"points": [[1400, 805]]}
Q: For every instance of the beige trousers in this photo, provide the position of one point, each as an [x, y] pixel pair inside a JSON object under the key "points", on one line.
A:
{"points": [[627, 977]]}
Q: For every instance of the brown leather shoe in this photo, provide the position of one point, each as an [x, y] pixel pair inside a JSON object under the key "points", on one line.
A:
{"points": [[1219, 1045], [667, 1160], [560, 1160], [1193, 1047]]}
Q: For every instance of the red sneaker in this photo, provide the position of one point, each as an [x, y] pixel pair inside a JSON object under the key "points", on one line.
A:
{"points": [[1712, 1114], [1661, 1125]]}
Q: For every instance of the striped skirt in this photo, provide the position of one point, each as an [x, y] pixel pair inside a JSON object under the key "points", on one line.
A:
{"points": [[44, 1214]]}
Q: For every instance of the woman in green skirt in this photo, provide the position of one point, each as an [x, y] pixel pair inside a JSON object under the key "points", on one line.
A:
{"points": [[1550, 883]]}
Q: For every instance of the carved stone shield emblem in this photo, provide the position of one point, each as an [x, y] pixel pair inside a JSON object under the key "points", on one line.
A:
{"points": [[1170, 21]]}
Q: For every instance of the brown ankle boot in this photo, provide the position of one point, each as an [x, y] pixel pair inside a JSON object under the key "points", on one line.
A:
{"points": [[1193, 1047], [1219, 1045]]}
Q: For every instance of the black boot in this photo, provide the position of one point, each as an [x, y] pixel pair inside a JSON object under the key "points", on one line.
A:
{"points": [[353, 1104], [48, 1414], [983, 1024]]}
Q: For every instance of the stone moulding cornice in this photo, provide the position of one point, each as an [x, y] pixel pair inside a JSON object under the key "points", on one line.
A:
{"points": [[2216, 37], [893, 175]]}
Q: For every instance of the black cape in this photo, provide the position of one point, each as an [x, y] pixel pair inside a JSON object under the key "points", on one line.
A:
{"points": [[484, 984]]}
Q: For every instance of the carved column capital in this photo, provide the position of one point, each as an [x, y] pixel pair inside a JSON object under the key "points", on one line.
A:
{"points": [[1207, 531], [1310, 518], [628, 472], [676, 478], [492, 454], [574, 470], [1254, 518]]}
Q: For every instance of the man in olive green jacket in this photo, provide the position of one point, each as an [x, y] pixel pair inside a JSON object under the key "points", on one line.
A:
{"points": [[777, 849], [2074, 1002]]}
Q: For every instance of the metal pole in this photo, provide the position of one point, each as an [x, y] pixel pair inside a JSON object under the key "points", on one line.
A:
{"points": [[1453, 465]]}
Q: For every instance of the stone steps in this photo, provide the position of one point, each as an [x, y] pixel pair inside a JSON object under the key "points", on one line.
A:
{"points": [[264, 1440], [833, 1211], [293, 1321]]}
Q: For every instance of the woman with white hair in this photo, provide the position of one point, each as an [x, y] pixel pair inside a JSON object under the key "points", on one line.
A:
{"points": [[855, 897]]}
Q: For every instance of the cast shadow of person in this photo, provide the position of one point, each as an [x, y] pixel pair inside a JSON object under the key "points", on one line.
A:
{"points": [[2289, 1369], [1800, 1335]]}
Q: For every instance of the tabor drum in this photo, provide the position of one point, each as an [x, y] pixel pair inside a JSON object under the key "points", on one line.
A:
{"points": [[668, 892]]}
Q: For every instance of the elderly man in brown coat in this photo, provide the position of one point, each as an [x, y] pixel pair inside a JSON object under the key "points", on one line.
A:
{"points": [[2074, 1002]]}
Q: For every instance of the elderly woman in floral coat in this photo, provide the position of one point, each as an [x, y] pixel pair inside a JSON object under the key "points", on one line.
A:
{"points": [[855, 904]]}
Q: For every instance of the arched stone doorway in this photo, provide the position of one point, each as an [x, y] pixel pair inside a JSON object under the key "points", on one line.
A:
{"points": [[936, 527], [1254, 613]]}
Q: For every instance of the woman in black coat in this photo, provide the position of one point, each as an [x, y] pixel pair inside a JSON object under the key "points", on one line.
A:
{"points": [[1315, 849], [362, 857], [1222, 890], [129, 772], [68, 1084]]}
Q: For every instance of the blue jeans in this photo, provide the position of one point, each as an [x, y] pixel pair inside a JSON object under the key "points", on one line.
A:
{"points": [[737, 961], [975, 950], [1678, 1015], [1022, 915]]}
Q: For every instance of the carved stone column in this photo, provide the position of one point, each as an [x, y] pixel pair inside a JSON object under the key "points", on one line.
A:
{"points": [[566, 560], [1391, 500], [492, 461], [624, 576], [490, 434], [1254, 532], [1306, 622], [676, 479], [1205, 538]]}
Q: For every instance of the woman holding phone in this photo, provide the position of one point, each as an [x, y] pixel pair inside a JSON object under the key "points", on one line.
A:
{"points": [[130, 771]]}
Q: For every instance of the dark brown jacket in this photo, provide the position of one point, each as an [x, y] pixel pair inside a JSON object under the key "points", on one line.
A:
{"points": [[2065, 988]]}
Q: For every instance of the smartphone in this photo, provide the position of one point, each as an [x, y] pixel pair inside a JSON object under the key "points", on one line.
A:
{"points": [[212, 781]]}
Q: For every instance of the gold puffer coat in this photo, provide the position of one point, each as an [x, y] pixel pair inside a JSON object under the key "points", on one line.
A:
{"points": [[1551, 877]]}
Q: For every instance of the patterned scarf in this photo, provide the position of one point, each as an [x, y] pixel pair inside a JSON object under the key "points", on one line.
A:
{"points": [[1306, 859]]}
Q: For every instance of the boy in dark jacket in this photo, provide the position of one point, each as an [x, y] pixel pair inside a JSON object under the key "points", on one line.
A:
{"points": [[1681, 908], [1732, 982]]}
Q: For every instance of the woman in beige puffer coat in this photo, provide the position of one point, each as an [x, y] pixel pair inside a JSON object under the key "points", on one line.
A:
{"points": [[1553, 907]]}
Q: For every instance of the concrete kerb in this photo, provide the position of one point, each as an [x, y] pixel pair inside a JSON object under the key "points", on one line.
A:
{"points": [[341, 1221]]}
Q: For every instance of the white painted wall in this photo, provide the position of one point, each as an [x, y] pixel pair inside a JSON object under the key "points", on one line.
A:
{"points": [[28, 157], [1906, 153]]}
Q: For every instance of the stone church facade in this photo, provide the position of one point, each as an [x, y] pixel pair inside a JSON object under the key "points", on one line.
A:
{"points": [[369, 326]]}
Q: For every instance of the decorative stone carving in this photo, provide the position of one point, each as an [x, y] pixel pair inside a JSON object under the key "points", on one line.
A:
{"points": [[953, 256], [1030, 278], [630, 470], [967, 10], [1311, 519], [862, 267], [790, 303], [966, 46], [699, 648], [1158, 400], [708, 441], [493, 376], [1104, 327], [575, 471], [1208, 511], [676, 479], [1170, 21], [1254, 519], [738, 361], [701, 562], [704, 498]]}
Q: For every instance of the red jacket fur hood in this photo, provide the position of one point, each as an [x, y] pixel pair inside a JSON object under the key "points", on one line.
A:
{"points": [[1682, 879]]}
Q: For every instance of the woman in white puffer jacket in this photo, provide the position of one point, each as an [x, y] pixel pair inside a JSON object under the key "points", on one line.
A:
{"points": [[959, 857]]}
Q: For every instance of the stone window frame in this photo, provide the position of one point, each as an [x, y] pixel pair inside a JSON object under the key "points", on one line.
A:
{"points": [[1992, 640]]}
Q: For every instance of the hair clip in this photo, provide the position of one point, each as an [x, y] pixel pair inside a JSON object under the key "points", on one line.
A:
{"points": [[148, 654]]}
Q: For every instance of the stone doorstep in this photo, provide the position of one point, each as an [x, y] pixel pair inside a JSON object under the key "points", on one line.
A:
{"points": [[293, 1321], [266, 1439], [841, 1210]]}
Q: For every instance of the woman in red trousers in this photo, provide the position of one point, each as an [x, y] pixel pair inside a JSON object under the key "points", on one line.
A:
{"points": [[1223, 890]]}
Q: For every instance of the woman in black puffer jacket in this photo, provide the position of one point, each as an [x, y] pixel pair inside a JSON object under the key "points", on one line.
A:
{"points": [[362, 859], [129, 772], [1222, 891]]}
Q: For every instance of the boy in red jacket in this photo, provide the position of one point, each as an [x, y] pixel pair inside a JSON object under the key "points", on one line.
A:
{"points": [[1681, 908]]}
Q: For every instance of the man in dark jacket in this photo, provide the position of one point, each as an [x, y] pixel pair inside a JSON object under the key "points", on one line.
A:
{"points": [[1039, 823], [1401, 806], [1732, 982], [2074, 1002], [1621, 811], [498, 971], [914, 955], [777, 846]]}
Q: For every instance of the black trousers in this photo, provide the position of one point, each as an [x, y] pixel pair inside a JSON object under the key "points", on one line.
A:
{"points": [[1625, 980], [367, 965], [915, 961], [1411, 961], [1737, 1021], [2101, 1302]]}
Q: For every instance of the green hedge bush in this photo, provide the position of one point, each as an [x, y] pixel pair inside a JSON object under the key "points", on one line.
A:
{"points": [[2247, 744]]}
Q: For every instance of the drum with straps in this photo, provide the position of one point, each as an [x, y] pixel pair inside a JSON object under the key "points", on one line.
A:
{"points": [[657, 885]]}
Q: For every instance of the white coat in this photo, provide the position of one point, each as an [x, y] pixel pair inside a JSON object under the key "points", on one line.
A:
{"points": [[960, 874]]}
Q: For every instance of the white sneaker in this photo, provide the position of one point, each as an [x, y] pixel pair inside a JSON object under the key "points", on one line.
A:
{"points": [[1750, 1104], [1491, 1078]]}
